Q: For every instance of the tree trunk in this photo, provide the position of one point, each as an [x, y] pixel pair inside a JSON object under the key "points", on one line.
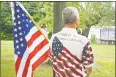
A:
{"points": [[58, 22], [86, 31]]}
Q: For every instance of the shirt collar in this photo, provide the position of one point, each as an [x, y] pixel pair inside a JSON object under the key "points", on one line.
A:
{"points": [[69, 30]]}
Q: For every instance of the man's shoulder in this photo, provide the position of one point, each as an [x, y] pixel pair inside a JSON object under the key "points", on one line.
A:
{"points": [[55, 34], [84, 39]]}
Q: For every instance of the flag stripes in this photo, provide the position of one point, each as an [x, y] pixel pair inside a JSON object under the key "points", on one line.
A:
{"points": [[31, 46]]}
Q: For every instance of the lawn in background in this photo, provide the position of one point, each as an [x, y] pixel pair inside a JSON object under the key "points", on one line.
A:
{"points": [[104, 62]]}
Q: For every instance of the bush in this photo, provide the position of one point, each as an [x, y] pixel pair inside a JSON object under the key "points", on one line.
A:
{"points": [[7, 36], [49, 35], [93, 39]]}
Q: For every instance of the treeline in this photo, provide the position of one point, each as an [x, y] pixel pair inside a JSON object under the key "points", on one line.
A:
{"points": [[91, 13]]}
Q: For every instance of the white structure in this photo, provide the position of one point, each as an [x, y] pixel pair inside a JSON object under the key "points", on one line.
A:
{"points": [[94, 30], [102, 33]]}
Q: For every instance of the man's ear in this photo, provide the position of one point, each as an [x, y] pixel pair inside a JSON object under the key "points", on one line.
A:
{"points": [[76, 21]]}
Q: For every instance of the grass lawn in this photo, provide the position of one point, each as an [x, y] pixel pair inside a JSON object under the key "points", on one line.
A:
{"points": [[104, 62]]}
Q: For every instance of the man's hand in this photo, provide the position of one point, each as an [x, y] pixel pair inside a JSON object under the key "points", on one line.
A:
{"points": [[89, 70]]}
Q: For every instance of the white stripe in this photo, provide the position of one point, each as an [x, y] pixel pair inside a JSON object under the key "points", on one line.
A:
{"points": [[22, 64], [36, 57], [32, 31], [29, 71], [15, 57], [36, 43], [40, 53], [71, 57]]}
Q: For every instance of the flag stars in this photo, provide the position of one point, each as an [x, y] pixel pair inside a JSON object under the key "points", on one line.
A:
{"points": [[27, 25], [17, 41], [14, 23], [14, 18], [18, 16], [57, 46], [19, 22], [22, 45], [27, 20], [16, 35], [17, 47], [18, 52], [30, 21], [23, 15], [23, 20], [21, 39], [24, 32], [19, 28], [20, 33], [18, 10], [15, 29]]}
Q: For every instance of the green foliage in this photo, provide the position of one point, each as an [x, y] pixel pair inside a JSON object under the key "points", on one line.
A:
{"points": [[91, 13], [6, 21], [42, 12], [93, 39], [94, 13], [6, 36]]}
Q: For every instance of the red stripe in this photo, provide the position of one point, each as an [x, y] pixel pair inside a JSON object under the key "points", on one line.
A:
{"points": [[68, 73], [61, 67], [55, 73], [17, 64], [71, 61], [38, 48], [40, 60], [33, 37], [32, 54], [73, 69], [26, 67], [57, 69]]}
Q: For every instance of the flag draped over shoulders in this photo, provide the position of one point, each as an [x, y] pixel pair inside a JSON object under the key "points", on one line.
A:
{"points": [[31, 46], [71, 54]]}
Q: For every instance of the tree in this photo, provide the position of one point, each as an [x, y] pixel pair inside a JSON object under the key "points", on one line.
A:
{"points": [[58, 22], [6, 21], [42, 12], [94, 13]]}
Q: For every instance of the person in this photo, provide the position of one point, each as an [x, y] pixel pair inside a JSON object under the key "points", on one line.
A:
{"points": [[79, 30], [71, 53], [44, 29]]}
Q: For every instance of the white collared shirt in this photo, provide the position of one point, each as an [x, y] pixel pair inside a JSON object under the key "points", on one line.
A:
{"points": [[71, 40]]}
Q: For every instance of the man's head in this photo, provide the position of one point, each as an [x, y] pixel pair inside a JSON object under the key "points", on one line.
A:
{"points": [[70, 16]]}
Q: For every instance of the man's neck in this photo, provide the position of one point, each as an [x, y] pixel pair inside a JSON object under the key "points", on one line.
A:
{"points": [[70, 26]]}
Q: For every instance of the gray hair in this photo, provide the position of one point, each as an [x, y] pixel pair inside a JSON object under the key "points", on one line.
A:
{"points": [[69, 14]]}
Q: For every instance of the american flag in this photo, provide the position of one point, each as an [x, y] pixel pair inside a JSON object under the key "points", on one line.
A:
{"points": [[31, 46], [65, 64]]}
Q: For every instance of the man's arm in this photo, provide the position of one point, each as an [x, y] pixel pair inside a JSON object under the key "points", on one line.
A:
{"points": [[88, 59], [88, 70]]}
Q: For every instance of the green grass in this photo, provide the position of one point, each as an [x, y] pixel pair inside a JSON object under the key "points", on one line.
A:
{"points": [[104, 62]]}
